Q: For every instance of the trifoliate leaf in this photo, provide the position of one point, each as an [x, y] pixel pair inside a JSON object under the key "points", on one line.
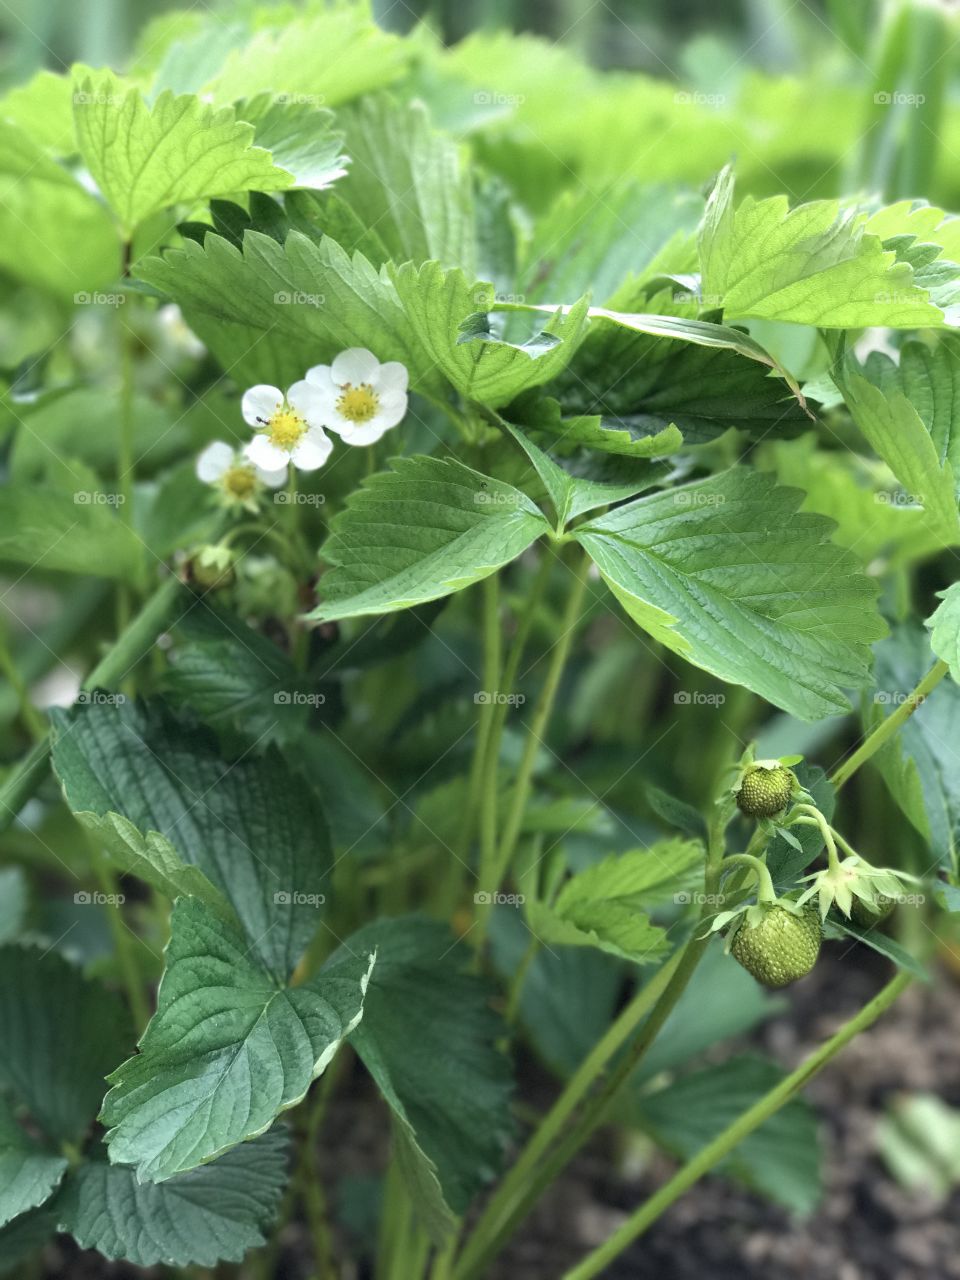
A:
{"points": [[429, 1039], [28, 1174], [814, 264], [477, 363], [251, 826], [726, 573], [227, 1050], [216, 1213], [145, 158], [420, 531], [61, 1035]]}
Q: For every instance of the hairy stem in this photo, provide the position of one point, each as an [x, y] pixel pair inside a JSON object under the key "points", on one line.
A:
{"points": [[745, 1124]]}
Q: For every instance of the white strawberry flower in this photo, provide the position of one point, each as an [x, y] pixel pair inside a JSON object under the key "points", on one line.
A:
{"points": [[360, 398], [238, 479], [289, 427]]}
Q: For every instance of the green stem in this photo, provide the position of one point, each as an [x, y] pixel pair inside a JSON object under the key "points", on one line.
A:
{"points": [[538, 727], [537, 1164], [127, 651], [765, 889], [745, 1124], [492, 659], [816, 817], [888, 727], [33, 721]]}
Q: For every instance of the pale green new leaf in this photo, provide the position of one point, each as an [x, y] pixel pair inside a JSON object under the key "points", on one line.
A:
{"points": [[726, 573], [409, 183], [227, 1050], [929, 377], [430, 1040], [641, 878], [299, 136], [28, 1174], [145, 158], [610, 926], [442, 309], [897, 433], [420, 531], [944, 627], [46, 528], [814, 264], [213, 1214]]}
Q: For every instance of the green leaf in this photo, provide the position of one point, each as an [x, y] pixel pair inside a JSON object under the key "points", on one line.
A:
{"points": [[420, 531], [299, 137], [609, 436], [878, 941], [43, 108], [61, 1035], [80, 532], [213, 1214], [53, 233], [28, 1174], [897, 433], [944, 627], [616, 929], [725, 573], [227, 1050], [410, 183], [914, 765], [814, 264], [780, 1160], [929, 377], [324, 59], [270, 311], [572, 494], [429, 1039], [145, 158], [251, 826], [22, 1237], [479, 365]]}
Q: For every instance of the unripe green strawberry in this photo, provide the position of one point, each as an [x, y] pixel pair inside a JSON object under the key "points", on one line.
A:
{"points": [[763, 792], [782, 947]]}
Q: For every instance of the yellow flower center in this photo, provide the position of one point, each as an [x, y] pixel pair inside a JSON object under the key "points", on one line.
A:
{"points": [[357, 404], [286, 428], [239, 482]]}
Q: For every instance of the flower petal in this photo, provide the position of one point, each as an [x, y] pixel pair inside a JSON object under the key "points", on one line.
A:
{"points": [[214, 461], [319, 375], [311, 402], [393, 377], [266, 455], [272, 479], [260, 403], [355, 365], [391, 409], [312, 451], [365, 432]]}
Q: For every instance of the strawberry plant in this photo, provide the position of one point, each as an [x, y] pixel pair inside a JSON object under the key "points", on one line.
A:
{"points": [[478, 602]]}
